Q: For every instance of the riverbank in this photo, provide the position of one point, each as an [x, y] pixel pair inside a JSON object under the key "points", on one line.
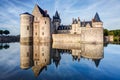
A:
{"points": [[8, 39]]}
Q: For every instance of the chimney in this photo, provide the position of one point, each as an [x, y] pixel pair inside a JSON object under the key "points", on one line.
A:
{"points": [[78, 19], [45, 11], [73, 20]]}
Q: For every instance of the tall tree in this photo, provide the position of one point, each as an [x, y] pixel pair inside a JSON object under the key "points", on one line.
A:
{"points": [[106, 32], [1, 32], [6, 32]]}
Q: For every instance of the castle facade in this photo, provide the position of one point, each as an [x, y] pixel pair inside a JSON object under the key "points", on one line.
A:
{"points": [[39, 27]]}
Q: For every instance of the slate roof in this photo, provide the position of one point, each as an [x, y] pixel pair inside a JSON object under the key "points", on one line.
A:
{"points": [[83, 24], [64, 27], [97, 18], [27, 13], [42, 11], [56, 15]]}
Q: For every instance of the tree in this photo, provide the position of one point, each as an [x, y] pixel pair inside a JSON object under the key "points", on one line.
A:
{"points": [[6, 32], [1, 32], [111, 33], [106, 32]]}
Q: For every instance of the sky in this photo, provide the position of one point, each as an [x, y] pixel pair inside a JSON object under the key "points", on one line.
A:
{"points": [[108, 10]]}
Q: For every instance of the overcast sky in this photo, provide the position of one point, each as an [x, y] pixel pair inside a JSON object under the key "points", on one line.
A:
{"points": [[108, 10]]}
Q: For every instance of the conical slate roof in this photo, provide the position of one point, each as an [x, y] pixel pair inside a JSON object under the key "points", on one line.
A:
{"points": [[56, 15], [96, 61], [97, 18]]}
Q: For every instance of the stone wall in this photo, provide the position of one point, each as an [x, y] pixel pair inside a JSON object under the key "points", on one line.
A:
{"points": [[66, 37], [92, 35], [88, 35]]}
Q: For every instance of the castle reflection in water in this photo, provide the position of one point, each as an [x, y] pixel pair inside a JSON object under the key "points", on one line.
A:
{"points": [[39, 56]]}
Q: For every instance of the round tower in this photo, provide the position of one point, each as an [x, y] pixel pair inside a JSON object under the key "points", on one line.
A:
{"points": [[26, 27]]}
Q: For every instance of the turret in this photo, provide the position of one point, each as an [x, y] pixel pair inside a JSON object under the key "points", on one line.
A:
{"points": [[74, 26], [96, 22], [79, 23], [26, 27], [56, 20]]}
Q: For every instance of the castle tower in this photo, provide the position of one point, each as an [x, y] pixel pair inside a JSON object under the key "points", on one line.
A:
{"points": [[96, 22], [79, 22], [26, 27], [74, 26], [41, 25], [56, 20]]}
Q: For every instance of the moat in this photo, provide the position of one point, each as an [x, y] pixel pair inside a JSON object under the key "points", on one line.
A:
{"points": [[55, 61]]}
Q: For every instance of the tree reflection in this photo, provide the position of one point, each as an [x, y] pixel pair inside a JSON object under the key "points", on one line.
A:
{"points": [[4, 46]]}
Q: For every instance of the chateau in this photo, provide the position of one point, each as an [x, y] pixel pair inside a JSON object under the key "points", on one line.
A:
{"points": [[39, 27]]}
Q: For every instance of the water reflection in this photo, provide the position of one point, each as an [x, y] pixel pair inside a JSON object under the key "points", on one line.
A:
{"points": [[39, 56], [4, 46]]}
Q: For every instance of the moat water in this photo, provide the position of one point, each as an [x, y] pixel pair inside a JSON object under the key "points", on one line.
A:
{"points": [[59, 62]]}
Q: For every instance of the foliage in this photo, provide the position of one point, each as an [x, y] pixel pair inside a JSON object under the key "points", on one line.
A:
{"points": [[6, 32], [1, 32], [105, 32], [111, 32]]}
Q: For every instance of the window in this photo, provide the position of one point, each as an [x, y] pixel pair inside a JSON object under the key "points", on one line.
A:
{"points": [[36, 55], [42, 33], [27, 27], [27, 54], [45, 22], [36, 33], [42, 54], [45, 60]]}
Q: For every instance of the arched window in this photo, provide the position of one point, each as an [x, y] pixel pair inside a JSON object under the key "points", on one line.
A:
{"points": [[36, 33], [42, 33]]}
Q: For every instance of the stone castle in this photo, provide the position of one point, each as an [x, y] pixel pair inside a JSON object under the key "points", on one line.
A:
{"points": [[39, 27]]}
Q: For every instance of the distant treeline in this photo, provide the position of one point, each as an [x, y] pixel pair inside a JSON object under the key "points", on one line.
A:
{"points": [[115, 33], [111, 32], [6, 38]]}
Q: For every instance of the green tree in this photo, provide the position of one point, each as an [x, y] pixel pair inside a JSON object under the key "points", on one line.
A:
{"points": [[110, 33], [6, 32], [105, 32], [1, 32], [6, 46]]}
